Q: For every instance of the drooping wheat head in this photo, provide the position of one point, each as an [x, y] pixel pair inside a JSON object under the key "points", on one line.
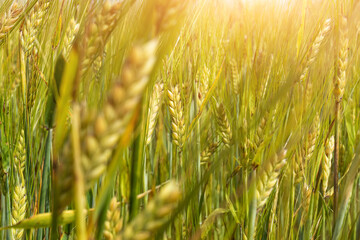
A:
{"points": [[314, 51]]}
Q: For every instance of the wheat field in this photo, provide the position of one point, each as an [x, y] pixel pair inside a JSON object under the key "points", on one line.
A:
{"points": [[179, 119]]}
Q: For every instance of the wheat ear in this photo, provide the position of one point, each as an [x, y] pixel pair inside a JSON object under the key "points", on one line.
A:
{"points": [[177, 115], [208, 152], [113, 223], [156, 213], [235, 76], [154, 107], [98, 31], [8, 21], [314, 51], [18, 209], [224, 125], [20, 153], [102, 132], [69, 37], [310, 143], [342, 61], [326, 166], [268, 176], [32, 24]]}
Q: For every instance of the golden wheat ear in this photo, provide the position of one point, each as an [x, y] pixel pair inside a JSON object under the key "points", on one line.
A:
{"points": [[224, 125], [177, 115], [268, 176], [342, 61], [71, 31], [113, 223], [145, 225], [154, 107], [326, 166], [101, 132]]}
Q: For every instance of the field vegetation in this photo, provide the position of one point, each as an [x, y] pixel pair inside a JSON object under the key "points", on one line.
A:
{"points": [[179, 119]]}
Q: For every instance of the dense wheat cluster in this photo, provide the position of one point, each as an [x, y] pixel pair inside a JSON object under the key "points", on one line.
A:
{"points": [[179, 119]]}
